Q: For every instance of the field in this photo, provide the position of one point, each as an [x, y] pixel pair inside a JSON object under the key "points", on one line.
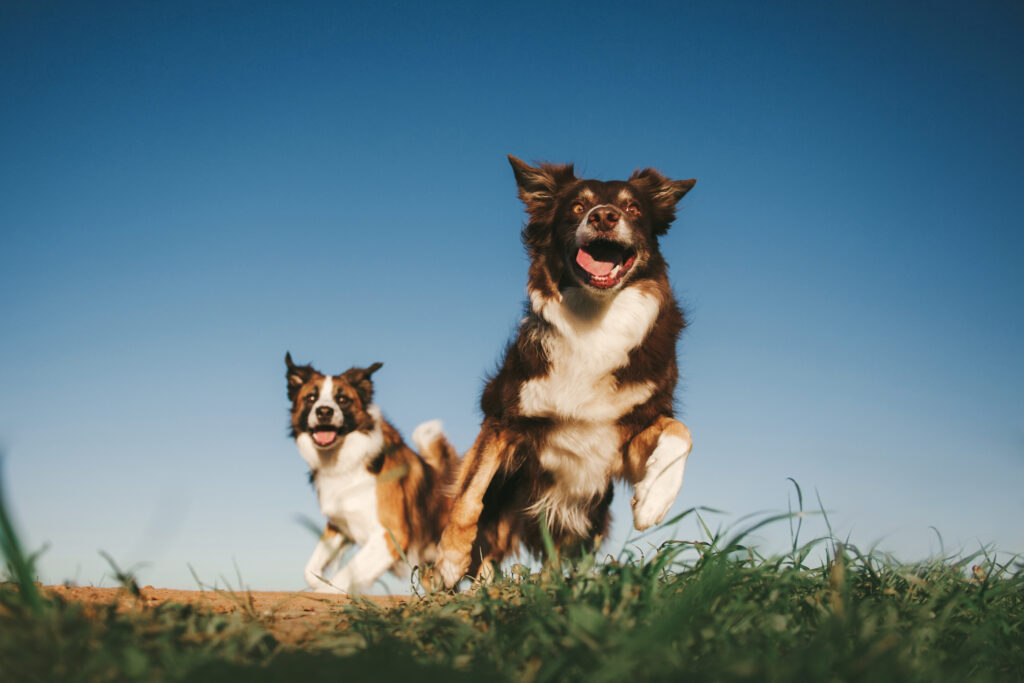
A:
{"points": [[706, 611]]}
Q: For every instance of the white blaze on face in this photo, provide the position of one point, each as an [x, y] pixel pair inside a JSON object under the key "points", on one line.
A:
{"points": [[326, 399]]}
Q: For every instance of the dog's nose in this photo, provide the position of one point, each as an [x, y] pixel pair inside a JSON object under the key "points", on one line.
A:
{"points": [[324, 412], [604, 219]]}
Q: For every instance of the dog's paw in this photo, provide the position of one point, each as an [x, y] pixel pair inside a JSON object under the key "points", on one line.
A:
{"points": [[430, 579], [654, 495], [321, 584], [450, 573], [452, 567], [650, 505], [315, 580], [485, 575], [329, 589]]}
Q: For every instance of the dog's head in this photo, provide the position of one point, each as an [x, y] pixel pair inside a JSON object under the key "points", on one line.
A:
{"points": [[594, 234], [327, 407]]}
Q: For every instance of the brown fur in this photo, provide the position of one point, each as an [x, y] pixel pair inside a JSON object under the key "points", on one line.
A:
{"points": [[410, 496]]}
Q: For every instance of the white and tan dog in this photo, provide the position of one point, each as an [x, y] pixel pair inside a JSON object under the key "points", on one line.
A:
{"points": [[375, 491]]}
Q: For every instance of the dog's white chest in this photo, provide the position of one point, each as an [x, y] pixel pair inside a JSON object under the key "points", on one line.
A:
{"points": [[349, 501], [346, 490], [583, 352]]}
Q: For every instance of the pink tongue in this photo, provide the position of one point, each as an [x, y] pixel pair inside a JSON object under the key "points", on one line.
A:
{"points": [[323, 437], [593, 266]]}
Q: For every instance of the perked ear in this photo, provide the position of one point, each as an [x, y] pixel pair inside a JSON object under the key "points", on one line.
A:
{"points": [[359, 378], [663, 193], [296, 375], [539, 185], [660, 188]]}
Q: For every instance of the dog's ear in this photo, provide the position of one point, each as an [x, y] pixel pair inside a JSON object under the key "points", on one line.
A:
{"points": [[539, 186], [663, 193], [296, 375], [359, 378]]}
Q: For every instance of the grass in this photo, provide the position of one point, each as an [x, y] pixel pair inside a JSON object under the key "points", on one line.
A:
{"points": [[708, 611]]}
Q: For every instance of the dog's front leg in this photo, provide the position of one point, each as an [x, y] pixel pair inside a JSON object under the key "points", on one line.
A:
{"points": [[478, 468], [328, 549], [365, 567], [658, 455]]}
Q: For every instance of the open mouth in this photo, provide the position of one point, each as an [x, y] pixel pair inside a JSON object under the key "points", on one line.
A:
{"points": [[604, 264], [324, 436]]}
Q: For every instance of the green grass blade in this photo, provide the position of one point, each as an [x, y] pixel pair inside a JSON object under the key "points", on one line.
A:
{"points": [[21, 566]]}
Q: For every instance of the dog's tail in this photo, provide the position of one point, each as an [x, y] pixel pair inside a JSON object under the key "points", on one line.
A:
{"points": [[434, 448]]}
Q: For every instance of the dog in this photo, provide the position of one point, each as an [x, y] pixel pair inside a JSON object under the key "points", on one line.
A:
{"points": [[375, 491], [584, 394]]}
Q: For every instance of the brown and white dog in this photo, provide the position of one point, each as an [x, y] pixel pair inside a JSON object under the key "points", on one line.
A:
{"points": [[375, 491], [584, 395]]}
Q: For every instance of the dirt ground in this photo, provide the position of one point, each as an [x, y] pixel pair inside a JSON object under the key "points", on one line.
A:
{"points": [[290, 616]]}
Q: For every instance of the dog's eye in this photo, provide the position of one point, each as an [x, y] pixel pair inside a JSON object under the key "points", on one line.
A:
{"points": [[343, 400], [633, 209], [311, 398], [577, 208]]}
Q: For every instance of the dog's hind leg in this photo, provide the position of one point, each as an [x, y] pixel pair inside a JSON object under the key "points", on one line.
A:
{"points": [[478, 468], [328, 549], [656, 461]]}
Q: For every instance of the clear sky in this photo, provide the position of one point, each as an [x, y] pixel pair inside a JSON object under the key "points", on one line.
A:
{"points": [[189, 189]]}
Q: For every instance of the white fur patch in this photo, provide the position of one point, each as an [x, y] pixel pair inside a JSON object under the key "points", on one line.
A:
{"points": [[308, 450], [582, 457], [426, 434], [591, 339], [655, 493]]}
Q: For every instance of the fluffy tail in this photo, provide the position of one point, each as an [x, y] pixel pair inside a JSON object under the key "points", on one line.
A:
{"points": [[434, 448]]}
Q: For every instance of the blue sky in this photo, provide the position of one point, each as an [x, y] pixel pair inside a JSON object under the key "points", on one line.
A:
{"points": [[191, 189]]}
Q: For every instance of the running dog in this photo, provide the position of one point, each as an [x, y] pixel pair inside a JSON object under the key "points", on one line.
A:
{"points": [[584, 395], [375, 491]]}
